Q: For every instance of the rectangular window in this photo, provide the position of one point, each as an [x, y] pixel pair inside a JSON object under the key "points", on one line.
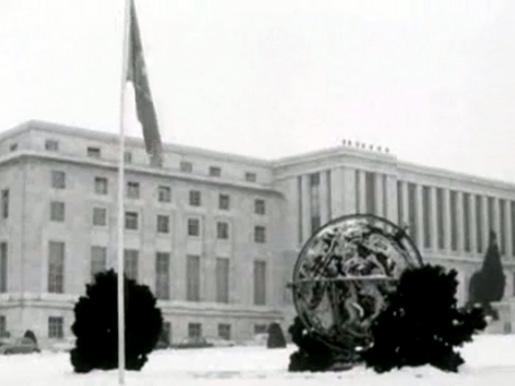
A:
{"points": [[56, 267], [314, 179], [479, 224], [131, 220], [133, 189], [260, 328], [13, 147], [370, 192], [100, 185], [491, 226], [195, 198], [164, 194], [193, 227], [131, 263], [186, 167], [259, 206], [357, 194], [502, 227], [426, 215], [93, 152], [51, 145], [224, 331], [194, 330], [223, 202], [193, 278], [3, 267], [412, 211], [127, 157], [163, 223], [314, 200], [98, 260], [259, 234], [3, 326], [466, 222], [315, 223], [163, 275], [440, 218], [453, 203], [55, 327], [5, 203], [99, 216], [513, 229], [400, 207], [222, 280], [215, 171], [222, 230], [259, 282], [166, 334], [57, 211], [250, 177], [58, 179]]}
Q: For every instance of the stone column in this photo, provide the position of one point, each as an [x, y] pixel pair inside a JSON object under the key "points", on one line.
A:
{"points": [[418, 218], [362, 192], [433, 209], [496, 222], [379, 193], [349, 190], [405, 206], [473, 224], [486, 222], [337, 194], [306, 206], [324, 198], [447, 218], [460, 234]]}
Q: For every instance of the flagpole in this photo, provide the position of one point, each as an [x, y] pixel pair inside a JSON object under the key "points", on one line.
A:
{"points": [[121, 191]]}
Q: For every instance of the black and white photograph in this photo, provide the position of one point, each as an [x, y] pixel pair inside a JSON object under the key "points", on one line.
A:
{"points": [[251, 193]]}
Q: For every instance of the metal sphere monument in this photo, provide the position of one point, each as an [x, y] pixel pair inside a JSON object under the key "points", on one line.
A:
{"points": [[342, 275]]}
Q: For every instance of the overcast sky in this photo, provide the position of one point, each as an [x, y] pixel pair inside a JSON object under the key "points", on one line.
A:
{"points": [[432, 80]]}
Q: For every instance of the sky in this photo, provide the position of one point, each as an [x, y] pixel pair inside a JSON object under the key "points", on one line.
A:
{"points": [[432, 80]]}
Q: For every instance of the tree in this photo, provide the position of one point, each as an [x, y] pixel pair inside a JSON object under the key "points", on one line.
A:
{"points": [[487, 285], [96, 327], [422, 324], [275, 336]]}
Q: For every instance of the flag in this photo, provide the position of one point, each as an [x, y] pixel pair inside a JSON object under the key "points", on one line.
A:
{"points": [[136, 73]]}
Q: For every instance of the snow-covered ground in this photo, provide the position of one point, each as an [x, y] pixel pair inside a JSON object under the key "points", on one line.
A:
{"points": [[490, 361]]}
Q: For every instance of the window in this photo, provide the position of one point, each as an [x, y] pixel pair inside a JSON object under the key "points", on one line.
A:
{"points": [[479, 224], [186, 166], [426, 215], [131, 263], [56, 267], [127, 157], [370, 192], [101, 185], [259, 282], [5, 203], [98, 260], [58, 179], [13, 147], [194, 330], [3, 326], [51, 145], [215, 171], [513, 230], [93, 152], [260, 328], [163, 223], [133, 189], [412, 211], [193, 227], [166, 334], [99, 216], [55, 327], [222, 280], [223, 202], [259, 206], [453, 207], [250, 177], [131, 220], [224, 331], [259, 234], [466, 221], [195, 198], [440, 221], [164, 194], [502, 227], [222, 230], [193, 278], [57, 212], [162, 275], [400, 201], [3, 267]]}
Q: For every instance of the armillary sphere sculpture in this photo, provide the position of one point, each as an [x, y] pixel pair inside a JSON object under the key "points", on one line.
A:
{"points": [[342, 275]]}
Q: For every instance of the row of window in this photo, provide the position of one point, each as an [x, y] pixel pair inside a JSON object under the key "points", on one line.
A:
{"points": [[56, 262], [164, 193], [184, 166]]}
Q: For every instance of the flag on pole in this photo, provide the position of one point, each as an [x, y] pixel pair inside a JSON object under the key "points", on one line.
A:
{"points": [[136, 73]]}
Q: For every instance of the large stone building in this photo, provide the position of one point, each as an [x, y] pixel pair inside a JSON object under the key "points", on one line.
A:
{"points": [[214, 235]]}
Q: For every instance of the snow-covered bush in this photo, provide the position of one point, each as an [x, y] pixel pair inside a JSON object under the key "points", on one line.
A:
{"points": [[96, 328], [422, 324]]}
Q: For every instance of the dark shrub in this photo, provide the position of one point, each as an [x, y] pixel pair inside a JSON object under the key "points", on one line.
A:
{"points": [[29, 334], [275, 336], [421, 323], [312, 355], [96, 328]]}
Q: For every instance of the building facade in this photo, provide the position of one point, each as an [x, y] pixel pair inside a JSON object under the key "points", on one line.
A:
{"points": [[214, 235]]}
